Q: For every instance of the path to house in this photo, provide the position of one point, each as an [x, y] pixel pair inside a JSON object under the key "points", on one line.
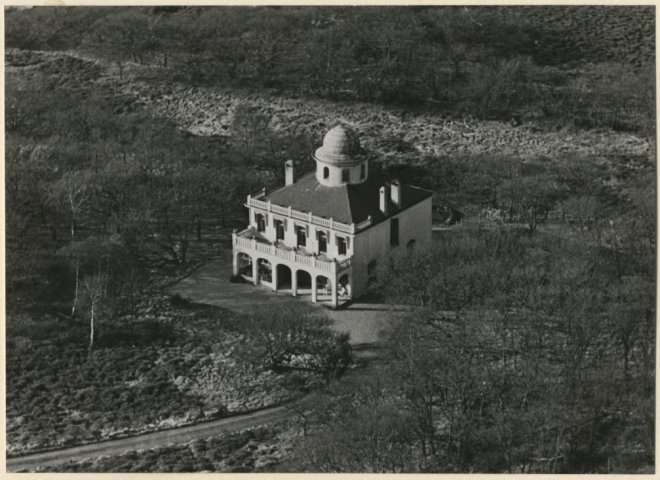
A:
{"points": [[147, 441], [210, 284]]}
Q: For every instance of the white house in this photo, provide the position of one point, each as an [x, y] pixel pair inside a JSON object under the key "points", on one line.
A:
{"points": [[323, 233]]}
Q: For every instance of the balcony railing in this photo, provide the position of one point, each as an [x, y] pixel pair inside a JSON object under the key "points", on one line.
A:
{"points": [[331, 266], [307, 216]]}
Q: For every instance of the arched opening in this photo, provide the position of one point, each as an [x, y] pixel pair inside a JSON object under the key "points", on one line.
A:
{"points": [[283, 277], [326, 172], [411, 245], [363, 171], [323, 287], [344, 286], [244, 264], [345, 175], [303, 282], [265, 270]]}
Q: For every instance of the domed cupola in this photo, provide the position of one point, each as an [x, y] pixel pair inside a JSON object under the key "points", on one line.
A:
{"points": [[341, 159]]}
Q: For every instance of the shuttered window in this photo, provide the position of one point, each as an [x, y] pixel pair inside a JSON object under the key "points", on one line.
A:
{"points": [[301, 236], [341, 245], [279, 229], [323, 242], [261, 222]]}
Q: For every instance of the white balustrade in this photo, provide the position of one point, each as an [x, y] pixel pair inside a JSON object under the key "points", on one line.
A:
{"points": [[253, 202], [304, 259], [344, 264], [363, 224], [290, 255], [299, 215], [262, 248], [325, 266], [243, 242], [278, 209], [308, 217], [320, 221]]}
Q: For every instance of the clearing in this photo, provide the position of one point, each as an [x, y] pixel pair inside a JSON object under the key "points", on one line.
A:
{"points": [[363, 321]]}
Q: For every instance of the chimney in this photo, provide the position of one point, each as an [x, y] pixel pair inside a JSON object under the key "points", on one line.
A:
{"points": [[288, 172], [384, 194], [395, 193]]}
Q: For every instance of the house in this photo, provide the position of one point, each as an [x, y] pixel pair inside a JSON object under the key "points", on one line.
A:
{"points": [[323, 233]]}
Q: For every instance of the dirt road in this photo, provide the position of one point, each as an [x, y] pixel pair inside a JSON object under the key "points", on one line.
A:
{"points": [[147, 441]]}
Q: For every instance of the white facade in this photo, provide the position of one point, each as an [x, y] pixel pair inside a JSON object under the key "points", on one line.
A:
{"points": [[288, 249], [375, 243]]}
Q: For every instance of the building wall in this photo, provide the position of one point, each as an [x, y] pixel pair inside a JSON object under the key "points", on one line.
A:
{"points": [[365, 247], [374, 243], [291, 240]]}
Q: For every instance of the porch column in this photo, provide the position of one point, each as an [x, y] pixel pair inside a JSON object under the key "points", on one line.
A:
{"points": [[294, 282], [234, 263], [274, 276], [313, 288], [255, 271], [334, 292]]}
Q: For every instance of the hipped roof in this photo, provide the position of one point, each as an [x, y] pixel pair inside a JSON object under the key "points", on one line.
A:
{"points": [[348, 203]]}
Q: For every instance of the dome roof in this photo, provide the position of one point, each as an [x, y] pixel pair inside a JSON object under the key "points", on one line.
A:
{"points": [[340, 145]]}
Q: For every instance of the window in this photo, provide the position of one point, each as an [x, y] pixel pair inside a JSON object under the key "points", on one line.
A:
{"points": [[261, 222], [363, 171], [323, 242], [394, 232], [341, 245], [280, 228], [301, 236], [326, 172], [411, 245], [345, 175], [371, 270]]}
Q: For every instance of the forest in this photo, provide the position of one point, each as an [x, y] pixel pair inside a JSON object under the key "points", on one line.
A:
{"points": [[530, 346]]}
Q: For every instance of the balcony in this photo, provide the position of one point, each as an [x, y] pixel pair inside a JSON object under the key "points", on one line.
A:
{"points": [[251, 242], [267, 206], [284, 268]]}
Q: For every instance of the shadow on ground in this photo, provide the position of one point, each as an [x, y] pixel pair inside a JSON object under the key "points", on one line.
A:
{"points": [[210, 284]]}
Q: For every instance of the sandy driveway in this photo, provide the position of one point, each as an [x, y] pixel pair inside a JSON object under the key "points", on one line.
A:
{"points": [[176, 436], [210, 284]]}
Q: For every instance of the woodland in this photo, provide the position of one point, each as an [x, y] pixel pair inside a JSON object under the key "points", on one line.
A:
{"points": [[530, 344]]}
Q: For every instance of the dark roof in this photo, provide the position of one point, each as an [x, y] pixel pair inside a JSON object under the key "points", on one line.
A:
{"points": [[346, 203]]}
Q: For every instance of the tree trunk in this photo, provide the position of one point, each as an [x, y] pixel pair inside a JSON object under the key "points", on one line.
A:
{"points": [[75, 294], [91, 327]]}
